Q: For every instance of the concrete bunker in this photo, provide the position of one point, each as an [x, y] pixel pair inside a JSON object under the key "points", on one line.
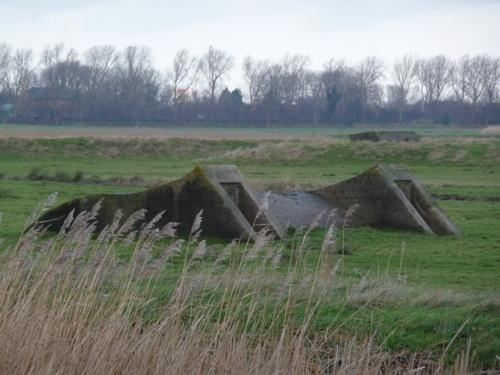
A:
{"points": [[385, 136], [386, 195], [390, 196], [230, 209]]}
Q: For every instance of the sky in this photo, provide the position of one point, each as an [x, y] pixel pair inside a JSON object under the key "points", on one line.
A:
{"points": [[266, 29]]}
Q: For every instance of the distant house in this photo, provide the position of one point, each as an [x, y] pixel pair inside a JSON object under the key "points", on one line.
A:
{"points": [[52, 104]]}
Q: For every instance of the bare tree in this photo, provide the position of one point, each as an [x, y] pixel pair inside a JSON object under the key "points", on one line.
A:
{"points": [[433, 76], [255, 75], [333, 71], [137, 81], [403, 74], [100, 61], [492, 79], [341, 89], [459, 73], [476, 76], [441, 67], [314, 94], [425, 76], [215, 65], [60, 67], [333, 84], [181, 77], [273, 92], [5, 63], [52, 55], [22, 64], [22, 77], [368, 72], [293, 75]]}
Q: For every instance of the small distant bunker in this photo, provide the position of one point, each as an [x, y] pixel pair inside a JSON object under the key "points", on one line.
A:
{"points": [[385, 136]]}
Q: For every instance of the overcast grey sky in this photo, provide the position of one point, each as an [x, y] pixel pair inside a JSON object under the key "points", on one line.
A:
{"points": [[269, 29]]}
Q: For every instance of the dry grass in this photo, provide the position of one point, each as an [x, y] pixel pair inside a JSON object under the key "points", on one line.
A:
{"points": [[454, 150], [219, 149], [284, 150], [491, 130], [383, 291], [126, 133], [68, 305]]}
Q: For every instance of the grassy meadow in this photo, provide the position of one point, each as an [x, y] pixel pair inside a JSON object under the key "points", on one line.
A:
{"points": [[416, 299]]}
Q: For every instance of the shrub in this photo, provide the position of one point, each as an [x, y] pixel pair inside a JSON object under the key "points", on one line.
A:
{"points": [[78, 176], [36, 174], [60, 176]]}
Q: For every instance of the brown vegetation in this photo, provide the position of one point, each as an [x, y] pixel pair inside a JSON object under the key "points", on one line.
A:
{"points": [[491, 130], [69, 305], [29, 132]]}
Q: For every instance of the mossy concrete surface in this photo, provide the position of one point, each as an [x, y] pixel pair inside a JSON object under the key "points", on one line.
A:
{"points": [[228, 204], [389, 196]]}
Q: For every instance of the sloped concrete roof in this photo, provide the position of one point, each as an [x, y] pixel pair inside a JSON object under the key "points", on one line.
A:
{"points": [[390, 196], [229, 208]]}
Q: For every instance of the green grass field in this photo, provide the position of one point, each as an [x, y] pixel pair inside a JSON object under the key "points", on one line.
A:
{"points": [[416, 299]]}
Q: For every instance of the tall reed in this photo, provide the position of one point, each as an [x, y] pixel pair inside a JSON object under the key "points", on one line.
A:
{"points": [[71, 304]]}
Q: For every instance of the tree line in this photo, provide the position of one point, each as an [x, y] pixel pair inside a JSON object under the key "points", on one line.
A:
{"points": [[108, 85]]}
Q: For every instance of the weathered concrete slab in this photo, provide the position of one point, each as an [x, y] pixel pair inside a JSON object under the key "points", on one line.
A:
{"points": [[230, 209], [385, 136], [298, 209]]}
